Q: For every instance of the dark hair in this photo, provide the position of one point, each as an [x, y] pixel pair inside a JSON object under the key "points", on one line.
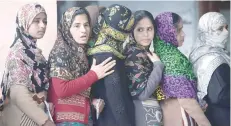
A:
{"points": [[81, 11], [139, 15], [38, 6], [176, 19], [101, 10]]}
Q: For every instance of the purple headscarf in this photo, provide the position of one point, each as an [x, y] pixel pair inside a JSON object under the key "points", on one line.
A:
{"points": [[165, 28]]}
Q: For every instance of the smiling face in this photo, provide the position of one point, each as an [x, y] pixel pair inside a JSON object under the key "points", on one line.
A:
{"points": [[144, 32], [80, 29], [38, 26]]}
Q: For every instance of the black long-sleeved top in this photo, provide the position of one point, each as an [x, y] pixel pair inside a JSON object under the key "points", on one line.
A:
{"points": [[218, 97], [113, 89]]}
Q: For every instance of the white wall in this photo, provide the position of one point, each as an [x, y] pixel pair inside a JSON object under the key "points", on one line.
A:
{"points": [[8, 13]]}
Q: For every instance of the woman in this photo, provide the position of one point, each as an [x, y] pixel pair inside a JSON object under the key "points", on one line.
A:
{"points": [[113, 27], [144, 70], [178, 87], [70, 77], [25, 82], [211, 64]]}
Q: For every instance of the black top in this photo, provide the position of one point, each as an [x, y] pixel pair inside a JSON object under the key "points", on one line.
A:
{"points": [[218, 98], [113, 89]]}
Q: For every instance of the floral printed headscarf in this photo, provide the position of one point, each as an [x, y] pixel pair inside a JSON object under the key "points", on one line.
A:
{"points": [[112, 29], [25, 64], [67, 59]]}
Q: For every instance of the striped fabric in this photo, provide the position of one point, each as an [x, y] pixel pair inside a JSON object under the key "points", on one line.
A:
{"points": [[187, 120], [26, 121]]}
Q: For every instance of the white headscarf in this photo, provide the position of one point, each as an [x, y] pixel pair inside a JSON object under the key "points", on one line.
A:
{"points": [[209, 50], [209, 32]]}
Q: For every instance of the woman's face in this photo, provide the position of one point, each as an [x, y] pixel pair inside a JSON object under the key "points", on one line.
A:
{"points": [[80, 29], [223, 28], [38, 26], [144, 32], [180, 33]]}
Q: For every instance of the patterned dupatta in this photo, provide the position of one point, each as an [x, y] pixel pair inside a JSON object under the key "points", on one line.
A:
{"points": [[112, 29], [25, 64], [138, 66], [178, 80], [67, 59]]}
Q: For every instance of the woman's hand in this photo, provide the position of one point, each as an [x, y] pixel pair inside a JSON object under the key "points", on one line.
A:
{"points": [[48, 123], [153, 57], [204, 107], [103, 68], [98, 105], [51, 108], [0, 93]]}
